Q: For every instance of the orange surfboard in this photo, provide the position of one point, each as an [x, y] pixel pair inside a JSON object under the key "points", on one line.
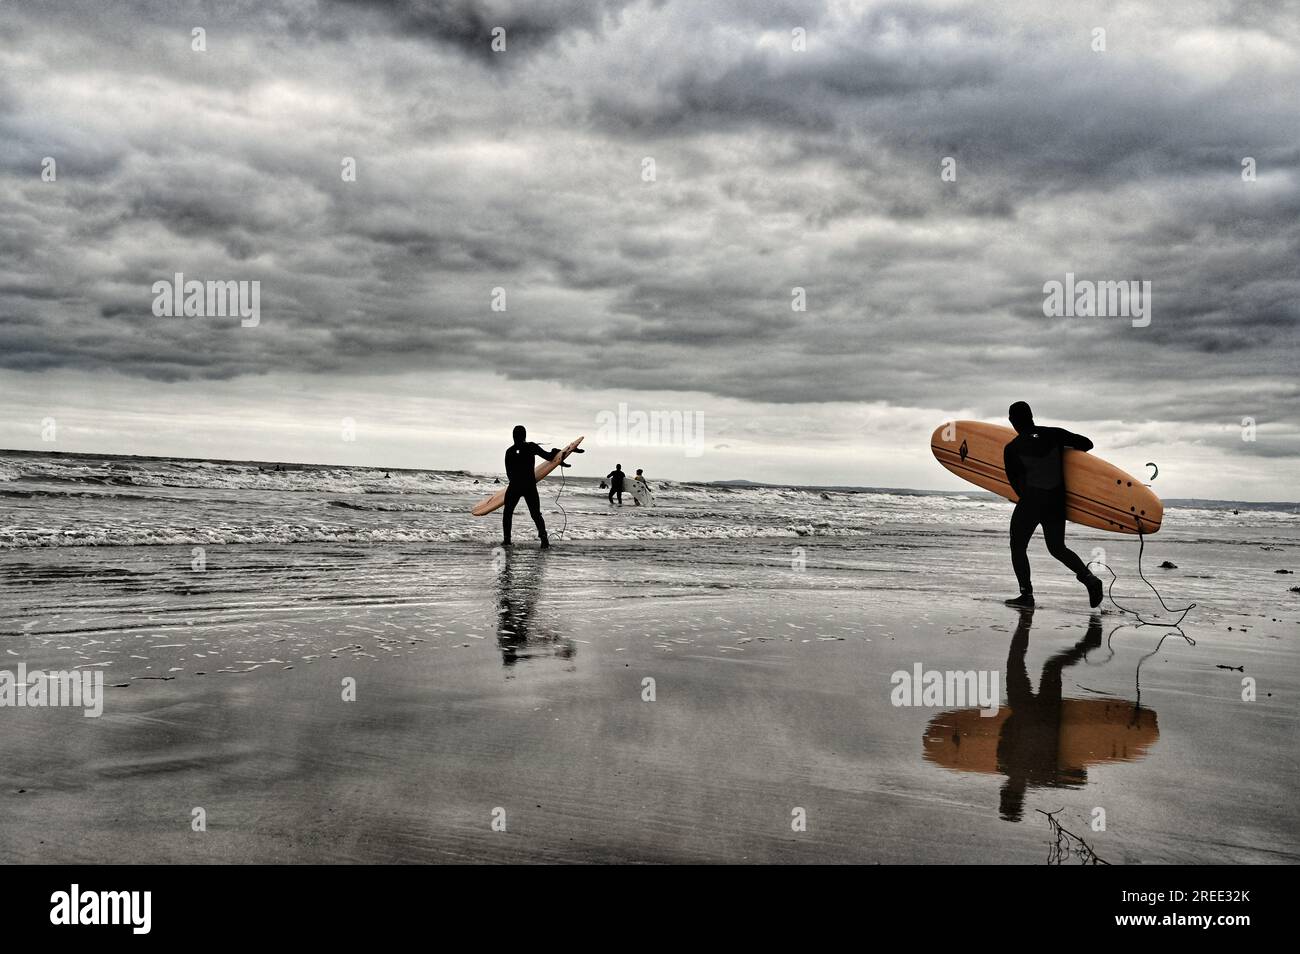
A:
{"points": [[1097, 494], [1091, 732], [498, 499]]}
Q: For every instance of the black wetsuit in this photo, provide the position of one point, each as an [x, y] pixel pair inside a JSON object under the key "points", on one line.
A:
{"points": [[615, 478], [1033, 462], [523, 483]]}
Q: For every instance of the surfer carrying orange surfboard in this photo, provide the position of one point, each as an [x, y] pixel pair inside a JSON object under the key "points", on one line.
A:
{"points": [[519, 471], [1033, 463]]}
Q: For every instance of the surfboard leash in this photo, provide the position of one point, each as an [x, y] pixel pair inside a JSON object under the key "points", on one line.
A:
{"points": [[1110, 589], [559, 490]]}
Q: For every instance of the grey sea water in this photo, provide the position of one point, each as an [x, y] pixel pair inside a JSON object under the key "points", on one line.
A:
{"points": [[224, 602]]}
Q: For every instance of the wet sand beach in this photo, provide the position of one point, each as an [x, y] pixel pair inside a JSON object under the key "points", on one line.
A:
{"points": [[491, 686], [896, 404]]}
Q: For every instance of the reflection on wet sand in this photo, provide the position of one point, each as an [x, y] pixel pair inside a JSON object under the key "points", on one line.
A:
{"points": [[519, 585], [1041, 740]]}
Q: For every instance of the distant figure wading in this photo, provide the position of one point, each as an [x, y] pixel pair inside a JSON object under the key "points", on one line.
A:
{"points": [[615, 478], [640, 489]]}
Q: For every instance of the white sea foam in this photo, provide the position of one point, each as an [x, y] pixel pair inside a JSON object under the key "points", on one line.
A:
{"points": [[81, 501]]}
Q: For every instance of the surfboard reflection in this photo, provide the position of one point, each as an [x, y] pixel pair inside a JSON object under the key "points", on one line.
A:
{"points": [[1041, 740], [519, 586]]}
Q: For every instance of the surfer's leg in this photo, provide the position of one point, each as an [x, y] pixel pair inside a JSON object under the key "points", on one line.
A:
{"points": [[508, 511], [535, 509], [1054, 534], [1023, 521]]}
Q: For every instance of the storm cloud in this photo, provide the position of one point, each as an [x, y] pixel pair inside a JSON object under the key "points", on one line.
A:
{"points": [[775, 168]]}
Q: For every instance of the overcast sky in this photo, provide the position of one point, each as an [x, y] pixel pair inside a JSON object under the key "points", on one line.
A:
{"points": [[775, 168]]}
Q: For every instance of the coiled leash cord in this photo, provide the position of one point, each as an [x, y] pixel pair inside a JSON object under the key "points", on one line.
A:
{"points": [[559, 490], [1110, 587], [564, 513]]}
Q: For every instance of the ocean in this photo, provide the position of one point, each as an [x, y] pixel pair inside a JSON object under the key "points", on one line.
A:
{"points": [[70, 500], [225, 603]]}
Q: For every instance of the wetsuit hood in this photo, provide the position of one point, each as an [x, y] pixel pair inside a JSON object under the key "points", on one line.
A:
{"points": [[1021, 417]]}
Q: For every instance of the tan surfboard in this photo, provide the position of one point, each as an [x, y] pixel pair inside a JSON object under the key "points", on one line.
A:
{"points": [[1091, 732], [498, 499], [1097, 494]]}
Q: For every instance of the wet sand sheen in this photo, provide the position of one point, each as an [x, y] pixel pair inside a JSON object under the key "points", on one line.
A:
{"points": [[523, 691]]}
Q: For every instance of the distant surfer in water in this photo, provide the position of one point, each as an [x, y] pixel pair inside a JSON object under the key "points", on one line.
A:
{"points": [[615, 478], [1033, 462], [523, 483], [640, 489]]}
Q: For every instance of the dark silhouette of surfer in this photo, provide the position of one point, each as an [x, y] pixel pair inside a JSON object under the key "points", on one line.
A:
{"points": [[1033, 462], [519, 585], [1042, 740], [523, 482], [1030, 741], [615, 478]]}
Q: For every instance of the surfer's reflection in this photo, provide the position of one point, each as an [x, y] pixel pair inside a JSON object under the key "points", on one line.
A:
{"points": [[1030, 742], [519, 584], [1041, 740]]}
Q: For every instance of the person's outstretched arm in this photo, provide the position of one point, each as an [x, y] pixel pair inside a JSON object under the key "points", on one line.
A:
{"points": [[1077, 441], [545, 455]]}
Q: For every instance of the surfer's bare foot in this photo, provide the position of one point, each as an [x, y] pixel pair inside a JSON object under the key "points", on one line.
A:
{"points": [[1094, 590], [546, 544], [1023, 601]]}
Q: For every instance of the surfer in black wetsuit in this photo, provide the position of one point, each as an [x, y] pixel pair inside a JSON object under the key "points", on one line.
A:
{"points": [[1033, 462], [615, 478], [523, 483]]}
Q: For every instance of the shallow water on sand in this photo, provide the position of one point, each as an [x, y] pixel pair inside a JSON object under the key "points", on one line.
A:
{"points": [[516, 681]]}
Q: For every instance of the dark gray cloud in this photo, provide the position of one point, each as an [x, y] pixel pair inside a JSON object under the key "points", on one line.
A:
{"points": [[774, 169], [468, 25]]}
